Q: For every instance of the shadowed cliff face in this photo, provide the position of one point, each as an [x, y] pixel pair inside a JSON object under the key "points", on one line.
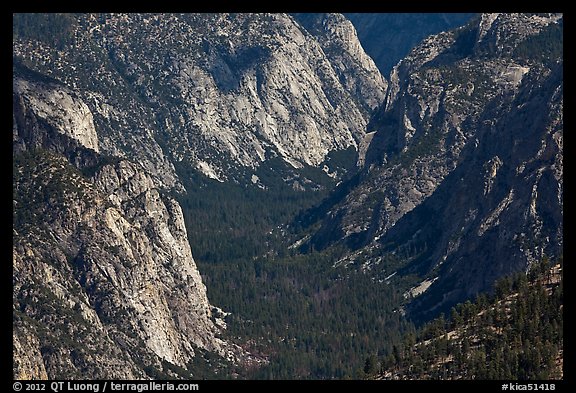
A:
{"points": [[463, 174], [389, 37]]}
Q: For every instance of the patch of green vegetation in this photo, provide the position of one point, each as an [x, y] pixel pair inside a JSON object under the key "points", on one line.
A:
{"points": [[90, 171], [44, 186], [514, 334], [465, 40], [21, 67], [226, 221], [343, 159], [547, 46], [55, 29], [425, 146], [312, 320]]}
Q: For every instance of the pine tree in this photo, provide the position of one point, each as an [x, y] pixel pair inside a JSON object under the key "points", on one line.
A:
{"points": [[370, 365], [455, 318]]}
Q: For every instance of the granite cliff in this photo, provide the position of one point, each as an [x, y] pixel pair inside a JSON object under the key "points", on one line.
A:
{"points": [[462, 169], [104, 280], [109, 112], [221, 93], [123, 124]]}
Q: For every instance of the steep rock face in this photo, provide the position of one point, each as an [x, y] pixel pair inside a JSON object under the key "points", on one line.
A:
{"points": [[105, 285], [509, 216], [161, 284], [61, 110], [456, 164], [221, 93], [355, 70], [53, 313], [104, 280], [28, 363], [389, 37]]}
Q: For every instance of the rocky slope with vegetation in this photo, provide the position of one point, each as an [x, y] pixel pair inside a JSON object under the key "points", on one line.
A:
{"points": [[515, 334], [139, 139], [114, 115], [220, 93], [104, 280], [463, 178]]}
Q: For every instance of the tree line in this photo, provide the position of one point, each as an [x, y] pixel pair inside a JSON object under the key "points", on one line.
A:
{"points": [[515, 333]]}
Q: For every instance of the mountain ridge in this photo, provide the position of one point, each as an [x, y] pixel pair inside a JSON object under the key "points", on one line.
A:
{"points": [[139, 139], [86, 247], [457, 101], [237, 96], [107, 110]]}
